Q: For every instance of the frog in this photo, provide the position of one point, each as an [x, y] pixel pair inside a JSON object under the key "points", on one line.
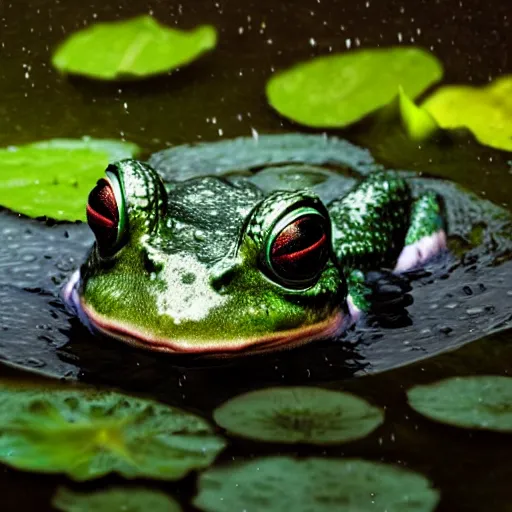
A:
{"points": [[219, 265]]}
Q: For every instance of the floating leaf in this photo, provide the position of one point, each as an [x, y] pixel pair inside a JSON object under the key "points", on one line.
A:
{"points": [[480, 402], [283, 484], [116, 499], [299, 415], [134, 48], [486, 111], [89, 434], [337, 90], [417, 121], [53, 178]]}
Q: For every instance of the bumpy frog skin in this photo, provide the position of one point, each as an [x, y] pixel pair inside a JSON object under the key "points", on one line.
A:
{"points": [[214, 265]]}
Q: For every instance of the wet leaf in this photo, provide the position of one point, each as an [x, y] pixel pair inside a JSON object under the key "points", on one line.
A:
{"points": [[417, 122], [283, 484], [486, 111], [53, 178], [115, 499], [480, 402], [137, 48], [299, 415], [337, 90], [87, 434]]}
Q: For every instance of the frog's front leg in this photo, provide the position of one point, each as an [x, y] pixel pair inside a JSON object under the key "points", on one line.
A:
{"points": [[380, 229], [425, 238], [382, 294], [398, 232], [426, 235]]}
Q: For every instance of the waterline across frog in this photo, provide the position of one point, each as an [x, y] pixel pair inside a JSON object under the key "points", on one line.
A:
{"points": [[215, 265]]}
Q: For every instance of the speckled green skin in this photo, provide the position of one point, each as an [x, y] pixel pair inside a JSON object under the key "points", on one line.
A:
{"points": [[188, 273], [372, 224]]}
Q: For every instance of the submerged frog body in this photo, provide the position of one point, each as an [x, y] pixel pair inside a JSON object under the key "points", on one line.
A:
{"points": [[221, 265]]}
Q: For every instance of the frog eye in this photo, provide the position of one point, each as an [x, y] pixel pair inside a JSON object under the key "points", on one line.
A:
{"points": [[298, 247], [106, 213]]}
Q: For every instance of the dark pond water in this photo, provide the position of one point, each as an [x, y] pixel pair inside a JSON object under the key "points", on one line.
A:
{"points": [[222, 96]]}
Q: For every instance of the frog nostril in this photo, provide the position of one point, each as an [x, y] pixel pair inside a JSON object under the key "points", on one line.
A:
{"points": [[223, 273], [150, 266], [222, 278], [220, 282]]}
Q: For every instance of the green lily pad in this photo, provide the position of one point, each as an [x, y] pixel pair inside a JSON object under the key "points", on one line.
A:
{"points": [[87, 434], [137, 48], [115, 499], [417, 122], [53, 178], [337, 90], [486, 111], [283, 484], [479, 402], [299, 415]]}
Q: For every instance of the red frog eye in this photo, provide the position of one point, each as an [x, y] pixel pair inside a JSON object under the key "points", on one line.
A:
{"points": [[299, 247], [103, 214]]}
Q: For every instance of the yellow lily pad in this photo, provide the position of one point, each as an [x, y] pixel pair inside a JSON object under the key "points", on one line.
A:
{"points": [[417, 121], [486, 111]]}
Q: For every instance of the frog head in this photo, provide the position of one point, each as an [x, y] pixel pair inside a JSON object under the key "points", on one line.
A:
{"points": [[206, 265]]}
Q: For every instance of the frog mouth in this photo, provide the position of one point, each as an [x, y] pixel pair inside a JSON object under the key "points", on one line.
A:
{"points": [[221, 348], [229, 347], [327, 328]]}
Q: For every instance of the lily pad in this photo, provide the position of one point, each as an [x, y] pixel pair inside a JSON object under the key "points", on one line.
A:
{"points": [[479, 402], [486, 111], [283, 484], [417, 122], [53, 178], [137, 48], [337, 90], [132, 499], [87, 434], [299, 415]]}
